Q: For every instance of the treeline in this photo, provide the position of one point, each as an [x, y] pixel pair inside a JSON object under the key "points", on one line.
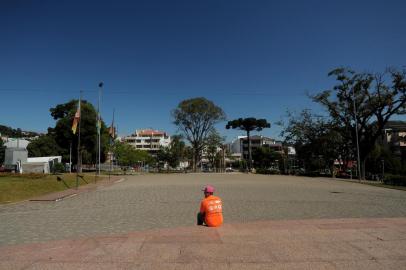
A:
{"points": [[16, 133]]}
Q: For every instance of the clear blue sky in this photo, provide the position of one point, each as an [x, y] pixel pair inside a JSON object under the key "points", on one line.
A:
{"points": [[252, 58]]}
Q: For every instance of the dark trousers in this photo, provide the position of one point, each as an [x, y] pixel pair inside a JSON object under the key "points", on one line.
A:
{"points": [[200, 218]]}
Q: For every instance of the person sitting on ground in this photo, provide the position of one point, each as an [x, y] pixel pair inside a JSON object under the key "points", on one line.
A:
{"points": [[211, 209]]}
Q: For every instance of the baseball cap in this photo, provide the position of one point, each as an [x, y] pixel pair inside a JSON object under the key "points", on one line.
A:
{"points": [[208, 188]]}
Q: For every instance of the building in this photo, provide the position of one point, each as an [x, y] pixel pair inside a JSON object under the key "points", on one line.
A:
{"points": [[13, 157], [16, 159], [239, 146], [148, 139], [395, 137], [16, 143], [40, 164]]}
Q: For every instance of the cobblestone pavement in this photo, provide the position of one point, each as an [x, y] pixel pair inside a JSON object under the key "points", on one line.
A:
{"points": [[316, 244], [145, 202]]}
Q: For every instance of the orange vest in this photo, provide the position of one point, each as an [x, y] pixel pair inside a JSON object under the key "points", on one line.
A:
{"points": [[212, 209]]}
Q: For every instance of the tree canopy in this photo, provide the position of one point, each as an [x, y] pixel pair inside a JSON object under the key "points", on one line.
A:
{"points": [[195, 118], [16, 133], [43, 146]]}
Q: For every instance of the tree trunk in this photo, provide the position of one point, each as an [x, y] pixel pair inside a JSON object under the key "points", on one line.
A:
{"points": [[249, 152], [363, 169], [196, 159]]}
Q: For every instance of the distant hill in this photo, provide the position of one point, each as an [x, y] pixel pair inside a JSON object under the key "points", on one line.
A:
{"points": [[16, 133]]}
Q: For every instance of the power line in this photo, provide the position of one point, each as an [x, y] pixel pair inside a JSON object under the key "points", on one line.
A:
{"points": [[129, 92]]}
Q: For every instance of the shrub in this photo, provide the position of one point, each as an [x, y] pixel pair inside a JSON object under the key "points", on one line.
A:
{"points": [[58, 168], [395, 180], [267, 171]]}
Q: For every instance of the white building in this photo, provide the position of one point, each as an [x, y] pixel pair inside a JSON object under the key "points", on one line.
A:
{"points": [[239, 146], [40, 164], [16, 143], [148, 139]]}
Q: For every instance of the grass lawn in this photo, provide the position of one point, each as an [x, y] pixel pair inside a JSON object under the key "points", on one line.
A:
{"points": [[386, 186], [18, 187]]}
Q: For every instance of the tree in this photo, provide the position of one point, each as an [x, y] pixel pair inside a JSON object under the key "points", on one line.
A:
{"points": [[43, 146], [214, 141], [173, 153], [16, 133], [264, 157], [317, 141], [248, 125], [2, 151], [127, 155], [63, 114], [195, 118], [369, 100], [177, 150]]}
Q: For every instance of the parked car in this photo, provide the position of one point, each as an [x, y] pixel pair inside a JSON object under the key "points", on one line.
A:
{"points": [[229, 169]]}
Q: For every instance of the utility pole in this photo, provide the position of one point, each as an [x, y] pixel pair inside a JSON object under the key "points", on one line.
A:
{"points": [[112, 135], [356, 135], [70, 157]]}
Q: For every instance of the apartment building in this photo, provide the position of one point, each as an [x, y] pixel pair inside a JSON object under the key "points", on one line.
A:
{"points": [[148, 139], [239, 146]]}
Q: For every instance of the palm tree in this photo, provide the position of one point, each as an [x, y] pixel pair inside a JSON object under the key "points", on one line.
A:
{"points": [[248, 124]]}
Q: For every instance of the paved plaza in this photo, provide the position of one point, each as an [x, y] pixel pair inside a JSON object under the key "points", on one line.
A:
{"points": [[147, 221]]}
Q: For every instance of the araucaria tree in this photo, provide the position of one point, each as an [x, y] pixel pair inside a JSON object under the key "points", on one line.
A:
{"points": [[248, 125], [369, 100], [195, 118]]}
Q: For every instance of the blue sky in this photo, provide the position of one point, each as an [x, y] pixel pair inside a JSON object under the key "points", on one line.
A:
{"points": [[252, 58]]}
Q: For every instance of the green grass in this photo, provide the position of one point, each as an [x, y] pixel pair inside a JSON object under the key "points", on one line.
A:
{"points": [[386, 186], [18, 187]]}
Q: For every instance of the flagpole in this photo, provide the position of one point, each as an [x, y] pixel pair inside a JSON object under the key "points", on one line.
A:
{"points": [[111, 142], [78, 163], [99, 126]]}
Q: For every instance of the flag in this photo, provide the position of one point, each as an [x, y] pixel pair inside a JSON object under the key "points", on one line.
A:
{"points": [[112, 131], [76, 119]]}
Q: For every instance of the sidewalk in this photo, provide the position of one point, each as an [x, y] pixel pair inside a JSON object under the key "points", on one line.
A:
{"points": [[291, 244]]}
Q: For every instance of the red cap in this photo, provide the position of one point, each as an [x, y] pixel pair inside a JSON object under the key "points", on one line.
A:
{"points": [[208, 189]]}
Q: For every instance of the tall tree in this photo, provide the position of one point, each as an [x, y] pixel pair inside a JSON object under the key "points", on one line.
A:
{"points": [[64, 114], [248, 125], [195, 118], [369, 100]]}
